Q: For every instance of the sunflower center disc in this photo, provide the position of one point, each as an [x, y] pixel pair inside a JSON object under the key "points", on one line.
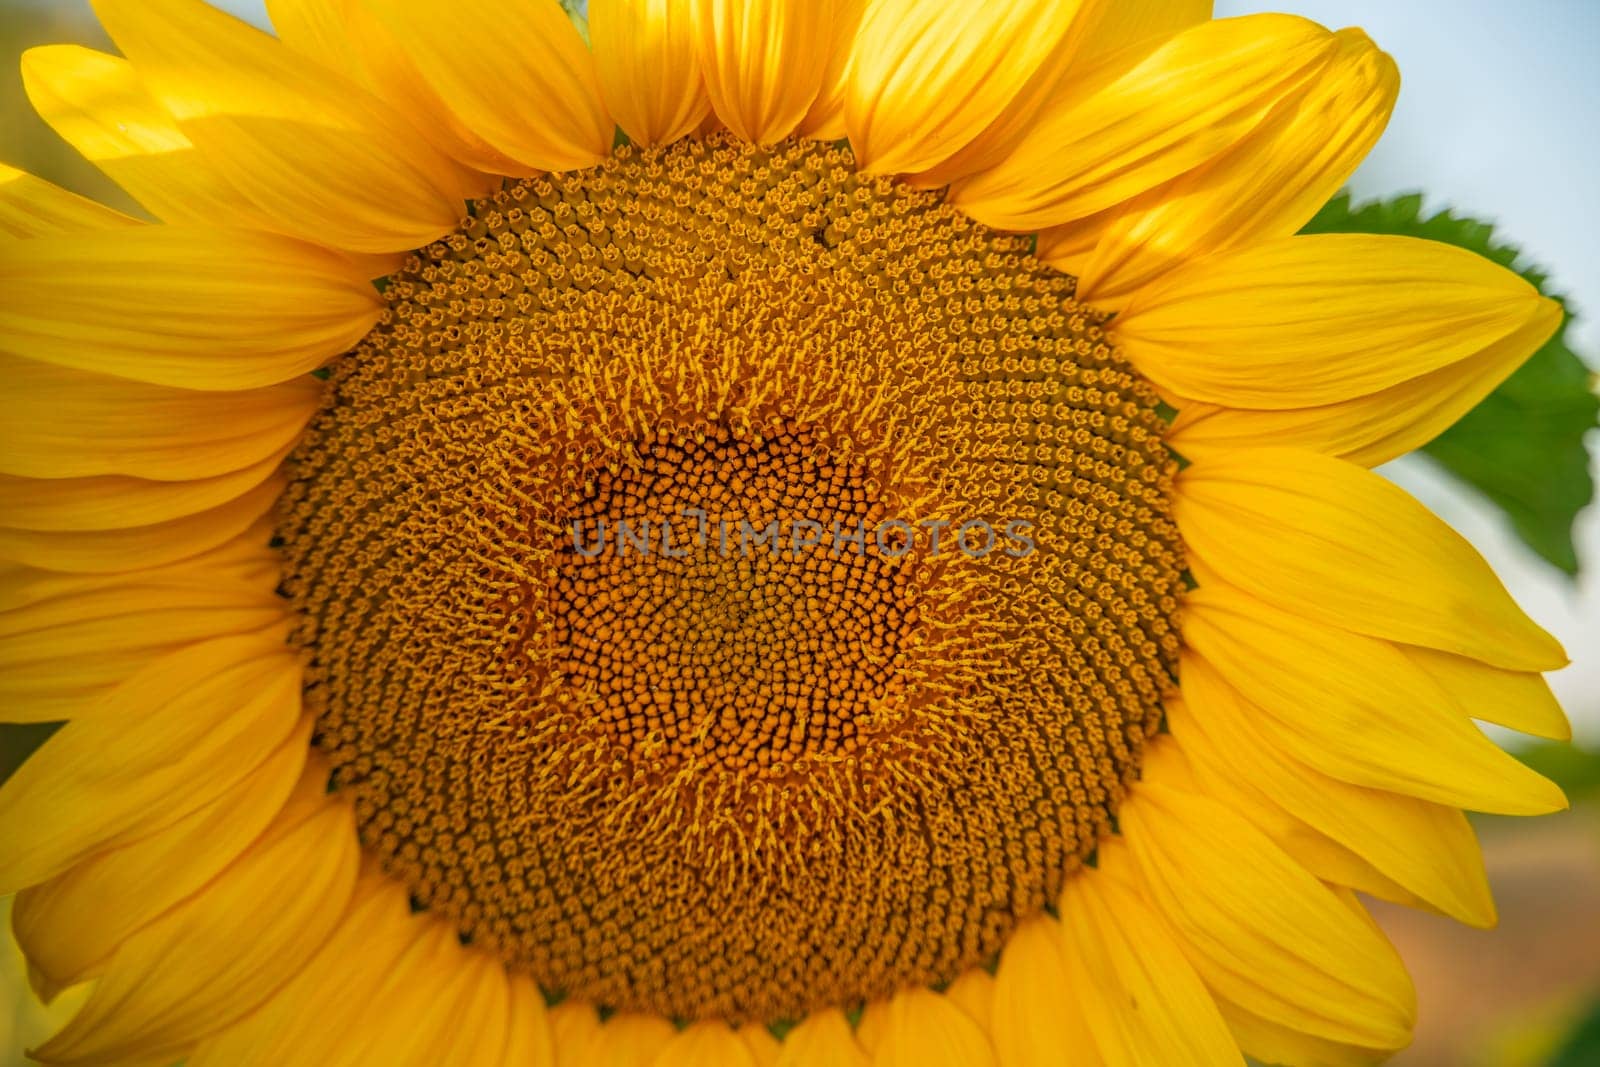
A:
{"points": [[751, 647], [613, 547]]}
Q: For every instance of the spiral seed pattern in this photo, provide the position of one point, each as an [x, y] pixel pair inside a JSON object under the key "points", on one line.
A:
{"points": [[695, 780], [670, 618]]}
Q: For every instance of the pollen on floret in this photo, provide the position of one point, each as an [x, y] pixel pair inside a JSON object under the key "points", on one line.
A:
{"points": [[698, 780]]}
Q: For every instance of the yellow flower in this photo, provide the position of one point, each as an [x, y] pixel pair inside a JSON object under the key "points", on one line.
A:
{"points": [[25, 1020], [570, 674]]}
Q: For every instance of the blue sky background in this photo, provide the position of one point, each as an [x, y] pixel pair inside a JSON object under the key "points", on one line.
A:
{"points": [[1499, 117]]}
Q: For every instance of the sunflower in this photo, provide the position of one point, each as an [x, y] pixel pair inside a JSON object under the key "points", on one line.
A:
{"points": [[547, 652]]}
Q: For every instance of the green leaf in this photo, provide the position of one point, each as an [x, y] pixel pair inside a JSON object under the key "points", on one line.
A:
{"points": [[1523, 447], [18, 741], [1583, 1047], [1569, 765]]}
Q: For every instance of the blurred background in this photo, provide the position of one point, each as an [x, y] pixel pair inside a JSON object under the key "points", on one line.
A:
{"points": [[1499, 119]]}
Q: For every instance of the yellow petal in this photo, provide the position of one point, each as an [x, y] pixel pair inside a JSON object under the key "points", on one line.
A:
{"points": [[1428, 849], [1141, 998], [1037, 1018], [973, 993], [60, 654], [198, 968], [1270, 1042], [406, 1022], [1266, 186], [65, 423], [97, 104], [32, 1012], [705, 1042], [1068, 248], [1520, 700], [1355, 707], [193, 308], [192, 725], [871, 1024], [432, 998], [527, 51], [32, 207], [1313, 320], [64, 924], [1135, 27], [574, 1031], [1260, 929], [764, 1047], [631, 1039], [927, 79], [320, 1008], [314, 152], [1106, 36], [923, 1029], [344, 36], [825, 120], [1375, 428], [644, 55], [822, 1039], [434, 1003], [416, 990], [382, 65], [319, 30], [763, 61], [1318, 853], [113, 551], [1330, 541], [246, 561], [469, 1024], [113, 502], [528, 1040], [1181, 106]]}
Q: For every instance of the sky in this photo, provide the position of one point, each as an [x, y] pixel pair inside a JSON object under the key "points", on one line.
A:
{"points": [[1499, 117]]}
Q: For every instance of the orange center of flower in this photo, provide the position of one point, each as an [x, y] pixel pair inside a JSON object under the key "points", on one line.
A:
{"points": [[734, 586], [695, 623]]}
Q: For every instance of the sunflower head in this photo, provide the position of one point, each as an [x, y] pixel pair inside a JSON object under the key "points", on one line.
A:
{"points": [[841, 535], [610, 513]]}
